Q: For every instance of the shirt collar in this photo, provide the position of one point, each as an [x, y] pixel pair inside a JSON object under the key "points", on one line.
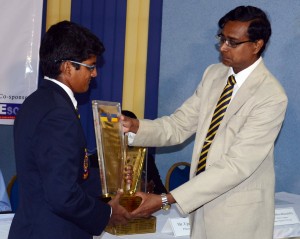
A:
{"points": [[66, 89], [242, 75]]}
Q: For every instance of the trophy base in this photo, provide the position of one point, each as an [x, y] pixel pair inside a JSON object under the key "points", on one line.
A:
{"points": [[134, 226]]}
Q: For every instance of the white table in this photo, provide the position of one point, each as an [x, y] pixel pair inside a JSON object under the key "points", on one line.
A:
{"points": [[282, 200], [5, 221], [285, 200], [161, 219]]}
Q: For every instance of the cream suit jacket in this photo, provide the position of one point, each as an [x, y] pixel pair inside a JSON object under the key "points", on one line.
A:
{"points": [[234, 197]]}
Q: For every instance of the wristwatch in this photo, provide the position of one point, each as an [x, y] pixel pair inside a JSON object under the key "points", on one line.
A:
{"points": [[165, 204]]}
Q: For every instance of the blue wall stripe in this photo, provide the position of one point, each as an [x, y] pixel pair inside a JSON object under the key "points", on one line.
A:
{"points": [[153, 59], [107, 19]]}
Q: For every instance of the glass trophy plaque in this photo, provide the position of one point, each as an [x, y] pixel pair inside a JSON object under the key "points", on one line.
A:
{"points": [[114, 155]]}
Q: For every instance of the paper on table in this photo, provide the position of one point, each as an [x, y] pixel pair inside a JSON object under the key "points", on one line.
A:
{"points": [[179, 226], [285, 216]]}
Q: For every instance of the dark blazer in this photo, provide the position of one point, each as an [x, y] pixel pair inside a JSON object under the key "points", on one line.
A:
{"points": [[55, 200]]}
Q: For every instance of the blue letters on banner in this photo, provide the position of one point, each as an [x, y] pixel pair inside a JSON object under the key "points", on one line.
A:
{"points": [[9, 111]]}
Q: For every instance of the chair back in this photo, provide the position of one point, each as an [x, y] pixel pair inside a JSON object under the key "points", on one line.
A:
{"points": [[13, 193], [178, 174]]}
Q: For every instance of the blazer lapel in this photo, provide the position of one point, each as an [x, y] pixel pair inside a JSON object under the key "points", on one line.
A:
{"points": [[216, 91], [244, 93], [61, 91], [216, 88]]}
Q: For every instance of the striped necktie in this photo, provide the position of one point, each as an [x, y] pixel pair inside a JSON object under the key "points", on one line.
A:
{"points": [[215, 122]]}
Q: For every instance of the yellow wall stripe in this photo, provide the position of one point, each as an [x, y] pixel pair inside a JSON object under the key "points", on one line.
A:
{"points": [[57, 10], [135, 62]]}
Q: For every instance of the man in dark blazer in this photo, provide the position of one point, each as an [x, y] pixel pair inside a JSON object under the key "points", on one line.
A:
{"points": [[58, 191]]}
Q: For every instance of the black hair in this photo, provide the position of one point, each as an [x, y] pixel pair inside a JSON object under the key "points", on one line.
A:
{"points": [[129, 114], [259, 28], [67, 41]]}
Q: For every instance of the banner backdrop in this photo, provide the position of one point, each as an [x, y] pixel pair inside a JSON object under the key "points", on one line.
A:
{"points": [[20, 31]]}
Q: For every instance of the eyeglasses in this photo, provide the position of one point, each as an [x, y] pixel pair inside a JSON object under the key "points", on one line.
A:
{"points": [[230, 43], [90, 67]]}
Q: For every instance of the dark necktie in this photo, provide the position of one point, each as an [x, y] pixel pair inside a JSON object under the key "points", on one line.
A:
{"points": [[215, 122], [86, 158], [77, 112]]}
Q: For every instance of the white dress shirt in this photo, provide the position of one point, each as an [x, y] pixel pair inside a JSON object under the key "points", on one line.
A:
{"points": [[66, 89], [241, 76]]}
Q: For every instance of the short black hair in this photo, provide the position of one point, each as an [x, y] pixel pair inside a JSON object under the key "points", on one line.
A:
{"points": [[129, 114], [259, 28], [67, 41]]}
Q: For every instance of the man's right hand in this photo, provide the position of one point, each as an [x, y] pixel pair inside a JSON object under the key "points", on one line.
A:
{"points": [[129, 124], [119, 215]]}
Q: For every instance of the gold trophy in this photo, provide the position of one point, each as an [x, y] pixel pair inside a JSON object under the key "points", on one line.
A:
{"points": [[114, 155]]}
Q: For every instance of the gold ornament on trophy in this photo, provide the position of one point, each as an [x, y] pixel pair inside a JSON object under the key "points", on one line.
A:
{"points": [[114, 155]]}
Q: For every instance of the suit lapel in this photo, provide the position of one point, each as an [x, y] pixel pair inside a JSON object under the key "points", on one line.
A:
{"points": [[61, 91], [244, 93], [215, 90]]}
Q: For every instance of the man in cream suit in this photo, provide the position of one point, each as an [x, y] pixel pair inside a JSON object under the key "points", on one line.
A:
{"points": [[233, 198]]}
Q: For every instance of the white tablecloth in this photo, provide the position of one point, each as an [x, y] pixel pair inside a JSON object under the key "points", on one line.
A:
{"points": [[5, 221], [282, 200], [161, 218], [286, 200]]}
